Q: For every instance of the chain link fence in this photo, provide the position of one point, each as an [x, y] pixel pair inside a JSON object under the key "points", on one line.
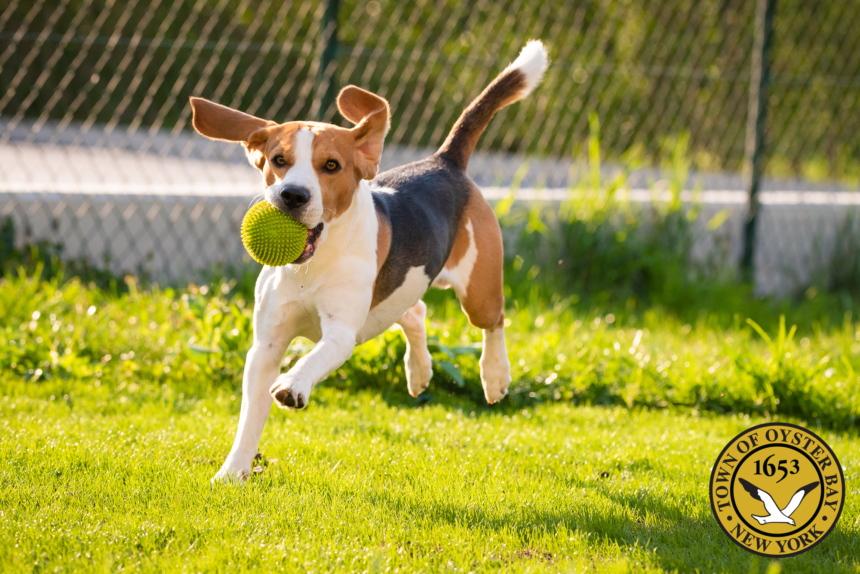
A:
{"points": [[96, 152]]}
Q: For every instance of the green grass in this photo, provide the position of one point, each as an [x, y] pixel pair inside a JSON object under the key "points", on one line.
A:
{"points": [[117, 408], [106, 482]]}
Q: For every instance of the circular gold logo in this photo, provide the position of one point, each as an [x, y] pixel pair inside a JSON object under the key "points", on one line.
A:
{"points": [[777, 490]]}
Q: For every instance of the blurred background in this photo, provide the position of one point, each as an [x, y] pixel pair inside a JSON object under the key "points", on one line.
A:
{"points": [[672, 142]]}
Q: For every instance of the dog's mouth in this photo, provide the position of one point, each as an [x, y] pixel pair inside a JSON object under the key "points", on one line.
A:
{"points": [[310, 244]]}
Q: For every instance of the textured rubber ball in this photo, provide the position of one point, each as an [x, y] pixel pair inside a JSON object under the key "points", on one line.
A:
{"points": [[271, 236]]}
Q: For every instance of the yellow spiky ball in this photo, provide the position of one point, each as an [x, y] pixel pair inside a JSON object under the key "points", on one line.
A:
{"points": [[271, 236]]}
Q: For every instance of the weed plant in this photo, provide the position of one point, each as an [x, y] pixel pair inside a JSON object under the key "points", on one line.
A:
{"points": [[60, 337]]}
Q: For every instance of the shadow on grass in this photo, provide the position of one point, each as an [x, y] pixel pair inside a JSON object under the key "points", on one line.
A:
{"points": [[636, 524]]}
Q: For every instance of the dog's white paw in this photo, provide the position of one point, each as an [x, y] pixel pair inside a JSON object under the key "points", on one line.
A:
{"points": [[291, 393], [232, 472], [419, 370], [495, 377]]}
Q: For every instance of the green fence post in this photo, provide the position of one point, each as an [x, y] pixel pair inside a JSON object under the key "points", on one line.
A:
{"points": [[328, 60], [756, 121]]}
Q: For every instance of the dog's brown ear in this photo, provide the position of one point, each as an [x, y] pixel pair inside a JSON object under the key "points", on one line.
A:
{"points": [[219, 122], [371, 114], [355, 104]]}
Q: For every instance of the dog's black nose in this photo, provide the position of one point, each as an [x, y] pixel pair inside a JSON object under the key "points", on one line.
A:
{"points": [[295, 196]]}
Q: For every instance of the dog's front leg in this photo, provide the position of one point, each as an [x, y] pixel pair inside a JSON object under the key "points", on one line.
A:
{"points": [[293, 388], [261, 369], [275, 326], [342, 305]]}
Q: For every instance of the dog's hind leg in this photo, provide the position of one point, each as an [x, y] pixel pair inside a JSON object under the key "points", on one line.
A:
{"points": [[474, 270], [419, 366], [495, 367]]}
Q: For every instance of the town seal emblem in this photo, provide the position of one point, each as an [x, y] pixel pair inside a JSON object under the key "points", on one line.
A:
{"points": [[777, 490]]}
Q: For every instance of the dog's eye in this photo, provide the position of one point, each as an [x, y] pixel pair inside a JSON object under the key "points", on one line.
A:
{"points": [[331, 165], [279, 161]]}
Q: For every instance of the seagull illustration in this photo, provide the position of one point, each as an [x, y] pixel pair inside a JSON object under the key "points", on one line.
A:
{"points": [[776, 515]]}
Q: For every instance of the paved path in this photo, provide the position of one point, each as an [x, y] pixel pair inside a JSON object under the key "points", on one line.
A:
{"points": [[76, 158], [171, 204], [30, 168]]}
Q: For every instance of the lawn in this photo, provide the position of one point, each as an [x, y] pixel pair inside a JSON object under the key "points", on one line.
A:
{"points": [[117, 408]]}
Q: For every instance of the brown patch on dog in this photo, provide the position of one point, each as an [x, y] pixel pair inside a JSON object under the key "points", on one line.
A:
{"points": [[338, 187], [372, 116], [383, 241], [461, 242], [484, 299], [219, 122], [264, 145], [383, 246]]}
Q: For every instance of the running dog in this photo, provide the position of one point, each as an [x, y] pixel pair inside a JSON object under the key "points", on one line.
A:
{"points": [[375, 244]]}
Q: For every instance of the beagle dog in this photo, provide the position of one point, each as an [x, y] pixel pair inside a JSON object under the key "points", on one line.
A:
{"points": [[375, 244]]}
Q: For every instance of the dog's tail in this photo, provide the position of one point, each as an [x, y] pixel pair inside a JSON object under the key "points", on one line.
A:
{"points": [[513, 84]]}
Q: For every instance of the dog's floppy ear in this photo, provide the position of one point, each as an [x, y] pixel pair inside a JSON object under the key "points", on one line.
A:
{"points": [[219, 122], [371, 114]]}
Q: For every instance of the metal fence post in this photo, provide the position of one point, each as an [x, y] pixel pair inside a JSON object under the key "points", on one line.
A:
{"points": [[756, 123], [328, 60]]}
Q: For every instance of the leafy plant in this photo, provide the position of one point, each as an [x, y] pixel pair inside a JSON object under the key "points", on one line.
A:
{"points": [[783, 380], [600, 245]]}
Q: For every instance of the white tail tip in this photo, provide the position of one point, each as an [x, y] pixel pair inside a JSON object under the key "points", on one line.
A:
{"points": [[532, 62]]}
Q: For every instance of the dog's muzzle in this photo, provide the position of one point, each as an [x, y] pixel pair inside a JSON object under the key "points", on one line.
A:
{"points": [[294, 200], [294, 196]]}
